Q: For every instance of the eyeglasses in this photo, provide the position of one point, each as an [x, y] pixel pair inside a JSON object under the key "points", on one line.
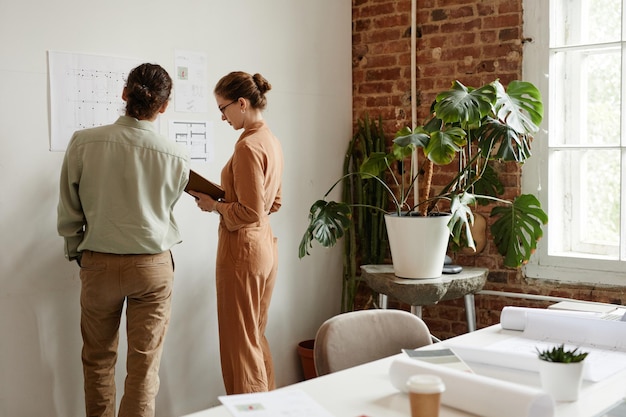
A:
{"points": [[224, 107]]}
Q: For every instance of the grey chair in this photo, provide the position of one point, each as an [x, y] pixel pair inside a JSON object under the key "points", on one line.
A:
{"points": [[357, 337]]}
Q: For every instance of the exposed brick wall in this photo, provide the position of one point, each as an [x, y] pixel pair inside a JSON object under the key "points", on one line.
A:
{"points": [[474, 42]]}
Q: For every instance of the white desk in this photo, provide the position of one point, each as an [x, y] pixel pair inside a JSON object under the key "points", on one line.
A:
{"points": [[366, 390]]}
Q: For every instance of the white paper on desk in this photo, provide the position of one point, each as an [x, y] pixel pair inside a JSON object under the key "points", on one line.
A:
{"points": [[605, 340], [273, 403], [511, 356], [520, 353], [477, 394]]}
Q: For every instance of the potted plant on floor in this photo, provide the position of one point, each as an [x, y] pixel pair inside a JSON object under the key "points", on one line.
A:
{"points": [[561, 372], [476, 127]]}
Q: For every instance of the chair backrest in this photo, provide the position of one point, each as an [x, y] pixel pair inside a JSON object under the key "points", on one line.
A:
{"points": [[357, 337]]}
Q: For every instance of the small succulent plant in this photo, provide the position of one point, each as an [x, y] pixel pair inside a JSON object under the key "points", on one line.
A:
{"points": [[560, 354]]}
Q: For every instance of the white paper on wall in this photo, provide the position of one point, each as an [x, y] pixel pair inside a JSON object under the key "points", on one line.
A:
{"points": [[85, 91], [196, 136], [190, 82]]}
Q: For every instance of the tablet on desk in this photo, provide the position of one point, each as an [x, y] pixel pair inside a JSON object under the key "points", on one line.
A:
{"points": [[200, 184]]}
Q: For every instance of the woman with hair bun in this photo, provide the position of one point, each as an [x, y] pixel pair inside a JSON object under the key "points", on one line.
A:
{"points": [[247, 252], [118, 187]]}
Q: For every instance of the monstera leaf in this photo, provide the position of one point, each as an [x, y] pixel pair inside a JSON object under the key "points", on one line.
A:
{"points": [[328, 221], [462, 218], [520, 106], [488, 184], [465, 105], [375, 163], [518, 229], [444, 145], [440, 146], [500, 141]]}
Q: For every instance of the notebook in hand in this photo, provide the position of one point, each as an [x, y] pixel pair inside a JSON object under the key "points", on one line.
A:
{"points": [[200, 184]]}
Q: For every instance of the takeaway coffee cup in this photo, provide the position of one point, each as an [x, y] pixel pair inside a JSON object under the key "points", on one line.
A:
{"points": [[425, 395]]}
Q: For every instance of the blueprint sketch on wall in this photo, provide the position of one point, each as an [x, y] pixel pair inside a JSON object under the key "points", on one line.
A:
{"points": [[196, 136], [85, 91], [191, 88]]}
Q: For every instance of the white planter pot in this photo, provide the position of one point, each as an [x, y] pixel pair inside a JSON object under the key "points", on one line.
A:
{"points": [[561, 380], [418, 245]]}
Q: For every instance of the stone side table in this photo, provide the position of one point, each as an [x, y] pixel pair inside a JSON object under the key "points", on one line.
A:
{"points": [[421, 292]]}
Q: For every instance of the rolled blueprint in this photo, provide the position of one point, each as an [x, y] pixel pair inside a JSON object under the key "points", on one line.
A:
{"points": [[476, 394], [516, 318]]}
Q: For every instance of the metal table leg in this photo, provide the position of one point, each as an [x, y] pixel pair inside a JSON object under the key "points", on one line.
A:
{"points": [[382, 300], [470, 312]]}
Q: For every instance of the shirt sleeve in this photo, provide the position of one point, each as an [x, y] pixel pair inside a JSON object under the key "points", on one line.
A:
{"points": [[249, 183], [278, 201], [70, 217]]}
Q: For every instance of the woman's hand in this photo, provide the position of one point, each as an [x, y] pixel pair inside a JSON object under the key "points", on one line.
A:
{"points": [[204, 201]]}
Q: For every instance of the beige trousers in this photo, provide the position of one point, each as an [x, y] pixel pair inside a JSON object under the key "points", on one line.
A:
{"points": [[246, 266], [145, 283]]}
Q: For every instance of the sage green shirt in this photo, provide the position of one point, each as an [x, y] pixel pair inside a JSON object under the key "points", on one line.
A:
{"points": [[119, 184]]}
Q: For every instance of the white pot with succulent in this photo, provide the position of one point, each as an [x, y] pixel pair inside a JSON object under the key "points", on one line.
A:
{"points": [[477, 127], [561, 371]]}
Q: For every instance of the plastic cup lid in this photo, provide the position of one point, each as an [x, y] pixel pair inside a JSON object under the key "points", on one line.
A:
{"points": [[426, 384]]}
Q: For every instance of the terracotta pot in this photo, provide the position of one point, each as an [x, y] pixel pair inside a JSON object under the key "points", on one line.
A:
{"points": [[305, 351]]}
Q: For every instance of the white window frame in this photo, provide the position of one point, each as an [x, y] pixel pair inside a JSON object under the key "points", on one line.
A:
{"points": [[535, 171]]}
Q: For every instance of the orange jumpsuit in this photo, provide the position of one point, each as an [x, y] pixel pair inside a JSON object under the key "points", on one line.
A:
{"points": [[247, 259]]}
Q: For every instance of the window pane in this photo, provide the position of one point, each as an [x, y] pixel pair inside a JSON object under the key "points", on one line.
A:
{"points": [[586, 108], [584, 206], [578, 22]]}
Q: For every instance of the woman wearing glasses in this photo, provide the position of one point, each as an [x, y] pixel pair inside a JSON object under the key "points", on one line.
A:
{"points": [[247, 253]]}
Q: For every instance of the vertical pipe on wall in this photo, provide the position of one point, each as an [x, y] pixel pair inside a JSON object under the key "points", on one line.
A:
{"points": [[413, 63], [414, 93]]}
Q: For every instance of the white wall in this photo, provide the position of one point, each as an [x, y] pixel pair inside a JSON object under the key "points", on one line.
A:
{"points": [[302, 47]]}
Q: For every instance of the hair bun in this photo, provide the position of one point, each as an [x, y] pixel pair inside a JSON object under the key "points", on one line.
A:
{"points": [[262, 84]]}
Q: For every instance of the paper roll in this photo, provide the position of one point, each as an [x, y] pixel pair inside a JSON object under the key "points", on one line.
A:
{"points": [[516, 318], [477, 394]]}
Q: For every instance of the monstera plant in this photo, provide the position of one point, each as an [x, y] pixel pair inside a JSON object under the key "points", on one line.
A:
{"points": [[476, 128]]}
